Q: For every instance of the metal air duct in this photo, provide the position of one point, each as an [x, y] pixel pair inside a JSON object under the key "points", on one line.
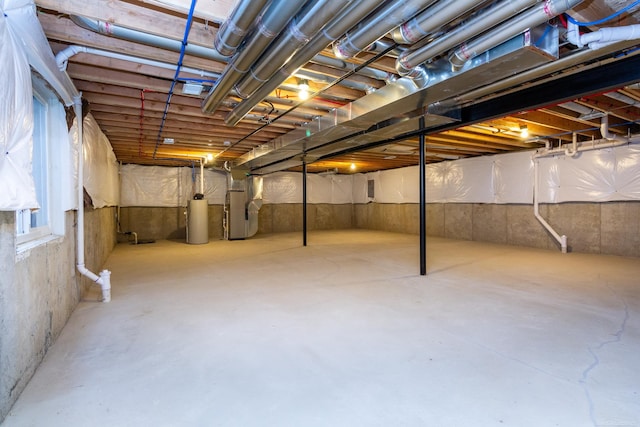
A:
{"points": [[301, 29], [346, 19], [269, 26], [410, 60], [393, 109], [377, 25], [234, 29], [430, 20], [527, 19]]}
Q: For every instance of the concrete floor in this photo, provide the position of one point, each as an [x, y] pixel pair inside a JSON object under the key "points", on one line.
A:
{"points": [[344, 332]]}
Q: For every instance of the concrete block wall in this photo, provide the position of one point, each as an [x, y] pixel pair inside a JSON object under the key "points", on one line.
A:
{"points": [[602, 228], [39, 289]]}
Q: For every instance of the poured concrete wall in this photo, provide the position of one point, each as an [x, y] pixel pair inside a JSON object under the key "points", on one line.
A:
{"points": [[38, 291], [602, 228], [157, 223], [286, 217]]}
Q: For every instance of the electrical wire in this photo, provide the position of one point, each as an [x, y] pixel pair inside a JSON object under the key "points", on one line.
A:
{"points": [[603, 20]]}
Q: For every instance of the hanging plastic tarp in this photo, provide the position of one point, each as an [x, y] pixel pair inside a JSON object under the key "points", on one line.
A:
{"points": [[156, 185], [493, 179], [341, 189], [100, 171], [360, 190], [16, 124], [215, 186], [282, 187], [513, 178], [604, 175], [23, 22]]}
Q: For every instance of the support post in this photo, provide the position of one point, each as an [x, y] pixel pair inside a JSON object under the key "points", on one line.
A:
{"points": [[304, 203], [423, 192]]}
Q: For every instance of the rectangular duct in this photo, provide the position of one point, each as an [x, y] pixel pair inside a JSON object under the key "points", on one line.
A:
{"points": [[395, 109]]}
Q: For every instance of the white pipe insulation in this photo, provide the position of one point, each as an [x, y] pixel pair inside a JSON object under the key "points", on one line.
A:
{"points": [[104, 280]]}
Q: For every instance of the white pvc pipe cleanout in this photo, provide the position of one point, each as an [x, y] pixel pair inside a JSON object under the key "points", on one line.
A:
{"points": [[104, 280], [601, 37]]}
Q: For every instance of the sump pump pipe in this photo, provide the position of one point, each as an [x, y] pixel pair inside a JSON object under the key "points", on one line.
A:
{"points": [[536, 210], [608, 141], [104, 280]]}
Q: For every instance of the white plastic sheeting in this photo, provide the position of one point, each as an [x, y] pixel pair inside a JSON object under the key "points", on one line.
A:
{"points": [[611, 174], [593, 176], [16, 123], [506, 178], [169, 186], [155, 186], [215, 186], [286, 187], [22, 19], [100, 172]]}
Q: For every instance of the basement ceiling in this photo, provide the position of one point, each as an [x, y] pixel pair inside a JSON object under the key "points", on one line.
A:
{"points": [[363, 114]]}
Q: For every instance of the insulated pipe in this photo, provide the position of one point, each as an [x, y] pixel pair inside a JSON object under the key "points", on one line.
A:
{"points": [[269, 26], [317, 77], [374, 73], [131, 35], [109, 29], [234, 29], [377, 25], [431, 20], [300, 30], [62, 58], [346, 19], [536, 211], [489, 17], [535, 16], [104, 280]]}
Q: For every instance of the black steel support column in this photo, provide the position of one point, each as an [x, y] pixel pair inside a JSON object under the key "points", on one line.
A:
{"points": [[304, 203], [423, 194]]}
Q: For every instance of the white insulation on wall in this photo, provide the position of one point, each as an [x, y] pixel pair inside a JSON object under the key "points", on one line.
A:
{"points": [[169, 186], [16, 123], [610, 174], [100, 164], [592, 176]]}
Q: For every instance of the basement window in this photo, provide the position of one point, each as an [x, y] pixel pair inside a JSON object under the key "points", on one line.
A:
{"points": [[40, 226]]}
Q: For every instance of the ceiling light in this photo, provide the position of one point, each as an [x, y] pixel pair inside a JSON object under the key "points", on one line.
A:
{"points": [[209, 157], [353, 166], [524, 131], [192, 89], [169, 141], [303, 89]]}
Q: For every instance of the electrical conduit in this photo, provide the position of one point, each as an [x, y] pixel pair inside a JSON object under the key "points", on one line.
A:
{"points": [[175, 77]]}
